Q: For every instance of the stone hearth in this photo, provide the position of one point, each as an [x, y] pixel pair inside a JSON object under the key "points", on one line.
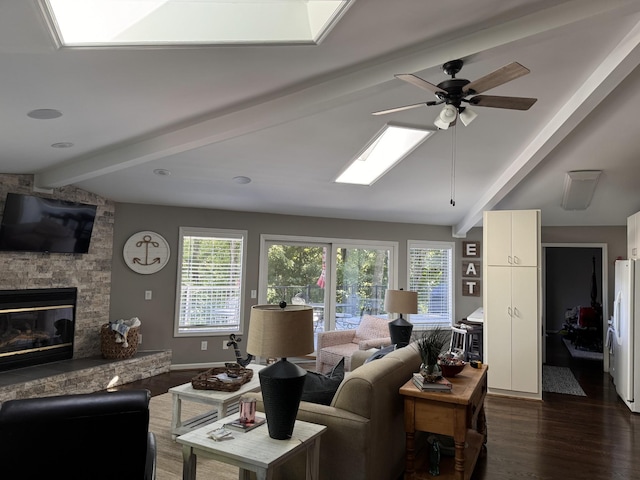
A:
{"points": [[85, 375]]}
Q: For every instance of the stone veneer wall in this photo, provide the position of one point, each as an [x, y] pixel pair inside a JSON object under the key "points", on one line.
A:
{"points": [[90, 273]]}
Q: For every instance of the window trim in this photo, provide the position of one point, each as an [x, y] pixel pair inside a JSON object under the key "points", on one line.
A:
{"points": [[435, 245], [210, 232]]}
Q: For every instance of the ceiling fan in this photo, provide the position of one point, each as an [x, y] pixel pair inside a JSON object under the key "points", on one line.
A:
{"points": [[455, 91]]}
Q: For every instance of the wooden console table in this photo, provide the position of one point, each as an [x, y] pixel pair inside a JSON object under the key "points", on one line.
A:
{"points": [[459, 413]]}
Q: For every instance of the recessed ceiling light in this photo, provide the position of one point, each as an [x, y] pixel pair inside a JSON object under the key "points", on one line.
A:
{"points": [[162, 172], [44, 114], [241, 180], [62, 145]]}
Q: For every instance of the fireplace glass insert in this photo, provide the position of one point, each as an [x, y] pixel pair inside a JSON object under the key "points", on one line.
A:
{"points": [[36, 326]]}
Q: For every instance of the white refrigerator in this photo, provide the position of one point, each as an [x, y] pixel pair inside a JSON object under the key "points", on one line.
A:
{"points": [[624, 334]]}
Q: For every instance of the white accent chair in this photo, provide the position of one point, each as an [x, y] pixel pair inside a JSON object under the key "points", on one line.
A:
{"points": [[373, 332]]}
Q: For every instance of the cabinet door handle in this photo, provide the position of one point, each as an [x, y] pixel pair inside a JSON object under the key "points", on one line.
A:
{"points": [[510, 259], [516, 260], [509, 311], [516, 313]]}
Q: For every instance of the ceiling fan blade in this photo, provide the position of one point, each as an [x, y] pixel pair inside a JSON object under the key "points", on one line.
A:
{"points": [[420, 83], [406, 107], [502, 75], [512, 103]]}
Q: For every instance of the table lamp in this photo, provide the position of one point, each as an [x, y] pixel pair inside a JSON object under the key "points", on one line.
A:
{"points": [[281, 331], [400, 301]]}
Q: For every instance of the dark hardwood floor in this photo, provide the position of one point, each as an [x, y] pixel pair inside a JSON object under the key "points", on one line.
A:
{"points": [[563, 437]]}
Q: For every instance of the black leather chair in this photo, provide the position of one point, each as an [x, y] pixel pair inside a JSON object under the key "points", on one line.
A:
{"points": [[101, 435]]}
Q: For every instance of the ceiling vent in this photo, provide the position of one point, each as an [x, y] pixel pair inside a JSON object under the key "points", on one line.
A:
{"points": [[579, 186]]}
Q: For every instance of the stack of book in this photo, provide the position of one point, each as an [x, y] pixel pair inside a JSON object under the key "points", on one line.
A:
{"points": [[440, 385]]}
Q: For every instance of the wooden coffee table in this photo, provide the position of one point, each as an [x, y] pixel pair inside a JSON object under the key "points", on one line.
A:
{"points": [[252, 451], [224, 403]]}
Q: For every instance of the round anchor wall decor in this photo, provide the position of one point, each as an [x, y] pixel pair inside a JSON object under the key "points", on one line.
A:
{"points": [[146, 252]]}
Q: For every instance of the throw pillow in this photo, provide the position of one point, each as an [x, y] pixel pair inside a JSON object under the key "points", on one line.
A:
{"points": [[380, 353], [319, 388]]}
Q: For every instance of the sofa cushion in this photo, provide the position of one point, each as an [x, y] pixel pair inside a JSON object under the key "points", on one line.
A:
{"points": [[381, 353], [319, 388], [373, 387]]}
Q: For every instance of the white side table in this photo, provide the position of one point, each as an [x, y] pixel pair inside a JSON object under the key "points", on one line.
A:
{"points": [[252, 451], [223, 403]]}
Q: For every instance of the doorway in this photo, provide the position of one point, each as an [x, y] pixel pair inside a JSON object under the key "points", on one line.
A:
{"points": [[573, 275]]}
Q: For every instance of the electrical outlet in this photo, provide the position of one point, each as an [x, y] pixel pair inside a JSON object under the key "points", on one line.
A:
{"points": [[224, 345], [139, 339], [203, 345], [148, 294]]}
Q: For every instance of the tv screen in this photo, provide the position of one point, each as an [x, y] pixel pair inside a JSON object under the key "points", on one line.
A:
{"points": [[36, 224]]}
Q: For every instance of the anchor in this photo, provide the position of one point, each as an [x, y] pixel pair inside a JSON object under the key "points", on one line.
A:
{"points": [[233, 341]]}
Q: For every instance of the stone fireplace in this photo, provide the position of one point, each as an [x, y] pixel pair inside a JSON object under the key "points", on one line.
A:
{"points": [[90, 275], [36, 326]]}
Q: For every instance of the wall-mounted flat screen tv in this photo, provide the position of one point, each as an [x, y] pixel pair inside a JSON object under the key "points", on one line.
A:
{"points": [[37, 224]]}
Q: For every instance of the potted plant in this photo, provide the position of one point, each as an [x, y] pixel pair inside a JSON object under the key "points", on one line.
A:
{"points": [[430, 344]]}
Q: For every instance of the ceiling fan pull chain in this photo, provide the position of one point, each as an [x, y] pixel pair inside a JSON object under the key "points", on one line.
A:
{"points": [[453, 167]]}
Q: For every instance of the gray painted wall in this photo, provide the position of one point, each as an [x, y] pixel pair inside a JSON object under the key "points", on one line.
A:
{"points": [[157, 315]]}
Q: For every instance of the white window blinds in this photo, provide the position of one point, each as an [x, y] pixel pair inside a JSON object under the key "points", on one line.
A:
{"points": [[211, 280], [431, 275]]}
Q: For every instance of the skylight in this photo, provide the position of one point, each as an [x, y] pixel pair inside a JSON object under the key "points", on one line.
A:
{"points": [[94, 23], [386, 149]]}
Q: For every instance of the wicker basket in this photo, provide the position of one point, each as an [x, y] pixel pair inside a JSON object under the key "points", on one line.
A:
{"points": [[207, 380], [111, 349]]}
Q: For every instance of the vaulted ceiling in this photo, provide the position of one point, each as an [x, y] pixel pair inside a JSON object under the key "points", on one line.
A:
{"points": [[291, 117]]}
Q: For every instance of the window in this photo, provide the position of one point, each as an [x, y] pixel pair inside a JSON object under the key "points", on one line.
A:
{"points": [[362, 278], [210, 281], [431, 275], [341, 281]]}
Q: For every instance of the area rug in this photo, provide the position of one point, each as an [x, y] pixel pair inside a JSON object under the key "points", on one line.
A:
{"points": [[169, 463], [579, 353], [560, 380]]}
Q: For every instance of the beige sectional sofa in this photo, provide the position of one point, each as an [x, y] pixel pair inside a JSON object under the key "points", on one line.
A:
{"points": [[365, 439]]}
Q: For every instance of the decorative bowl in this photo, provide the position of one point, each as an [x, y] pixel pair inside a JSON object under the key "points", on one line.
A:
{"points": [[451, 369]]}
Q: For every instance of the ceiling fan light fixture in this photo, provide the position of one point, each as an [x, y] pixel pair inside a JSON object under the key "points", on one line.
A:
{"points": [[446, 117], [467, 116]]}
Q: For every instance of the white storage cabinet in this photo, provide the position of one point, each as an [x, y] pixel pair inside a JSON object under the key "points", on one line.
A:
{"points": [[512, 302]]}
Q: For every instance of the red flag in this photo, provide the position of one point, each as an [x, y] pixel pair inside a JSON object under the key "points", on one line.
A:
{"points": [[321, 281]]}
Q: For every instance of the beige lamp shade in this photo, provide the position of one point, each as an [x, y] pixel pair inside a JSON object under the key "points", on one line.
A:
{"points": [[401, 301], [280, 332]]}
